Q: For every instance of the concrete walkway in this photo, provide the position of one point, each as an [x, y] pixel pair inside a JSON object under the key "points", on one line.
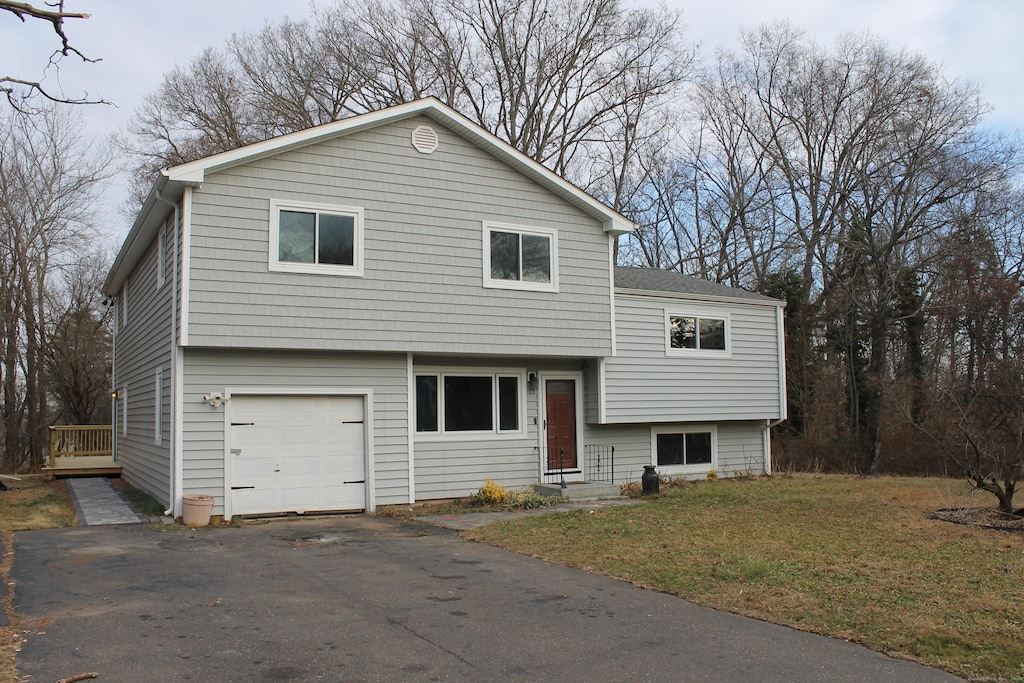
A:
{"points": [[97, 502]]}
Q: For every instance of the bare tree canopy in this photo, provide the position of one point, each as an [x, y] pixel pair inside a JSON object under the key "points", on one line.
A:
{"points": [[49, 182], [582, 86], [20, 91], [832, 178]]}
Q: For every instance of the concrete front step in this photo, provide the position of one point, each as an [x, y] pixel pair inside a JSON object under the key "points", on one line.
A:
{"points": [[580, 490]]}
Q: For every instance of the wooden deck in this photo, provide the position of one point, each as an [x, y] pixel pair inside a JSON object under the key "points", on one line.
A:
{"points": [[81, 450]]}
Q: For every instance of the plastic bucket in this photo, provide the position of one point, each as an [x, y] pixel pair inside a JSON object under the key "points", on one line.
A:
{"points": [[195, 509]]}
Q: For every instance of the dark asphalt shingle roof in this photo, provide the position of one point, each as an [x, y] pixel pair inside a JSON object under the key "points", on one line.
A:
{"points": [[657, 280]]}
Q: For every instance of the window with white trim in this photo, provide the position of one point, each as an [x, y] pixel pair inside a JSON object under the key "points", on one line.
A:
{"points": [[316, 238], [158, 408], [469, 402], [124, 410], [697, 334], [161, 275], [682, 450], [122, 304], [518, 257]]}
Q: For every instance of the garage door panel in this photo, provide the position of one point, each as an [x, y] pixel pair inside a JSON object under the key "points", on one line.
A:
{"points": [[296, 453], [300, 466], [341, 497]]}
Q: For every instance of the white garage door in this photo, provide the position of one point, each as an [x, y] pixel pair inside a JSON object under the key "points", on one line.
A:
{"points": [[297, 454]]}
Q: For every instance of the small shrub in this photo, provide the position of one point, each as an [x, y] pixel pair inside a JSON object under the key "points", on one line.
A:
{"points": [[491, 493], [712, 476], [631, 489], [527, 499]]}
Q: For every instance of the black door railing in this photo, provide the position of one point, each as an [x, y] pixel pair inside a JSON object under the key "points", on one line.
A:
{"points": [[598, 465]]}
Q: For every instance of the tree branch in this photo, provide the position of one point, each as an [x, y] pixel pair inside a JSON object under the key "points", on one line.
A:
{"points": [[56, 18]]}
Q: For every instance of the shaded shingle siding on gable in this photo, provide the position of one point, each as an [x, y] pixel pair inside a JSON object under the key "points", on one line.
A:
{"points": [[423, 255], [143, 347], [644, 384]]}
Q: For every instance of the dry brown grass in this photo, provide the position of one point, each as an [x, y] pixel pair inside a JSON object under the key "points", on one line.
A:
{"points": [[854, 558], [35, 503]]}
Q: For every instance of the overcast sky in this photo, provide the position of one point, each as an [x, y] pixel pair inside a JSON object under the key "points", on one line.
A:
{"points": [[140, 40]]}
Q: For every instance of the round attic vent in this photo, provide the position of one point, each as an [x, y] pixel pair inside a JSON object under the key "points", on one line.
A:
{"points": [[424, 139]]}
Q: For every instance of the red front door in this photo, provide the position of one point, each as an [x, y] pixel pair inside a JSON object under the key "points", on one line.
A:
{"points": [[561, 423]]}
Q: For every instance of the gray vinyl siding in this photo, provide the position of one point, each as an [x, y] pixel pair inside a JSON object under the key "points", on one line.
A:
{"points": [[216, 370], [740, 447], [643, 384], [422, 288], [456, 466], [143, 347]]}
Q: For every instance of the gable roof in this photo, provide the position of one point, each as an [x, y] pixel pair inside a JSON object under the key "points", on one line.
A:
{"points": [[665, 282], [172, 181]]}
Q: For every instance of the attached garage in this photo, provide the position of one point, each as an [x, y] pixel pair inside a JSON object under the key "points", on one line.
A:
{"points": [[296, 453]]}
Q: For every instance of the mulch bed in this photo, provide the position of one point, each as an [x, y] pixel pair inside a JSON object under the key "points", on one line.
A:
{"points": [[986, 518]]}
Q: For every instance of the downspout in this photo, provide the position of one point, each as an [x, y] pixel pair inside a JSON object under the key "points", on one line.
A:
{"points": [[780, 330], [766, 440], [114, 423], [173, 460]]}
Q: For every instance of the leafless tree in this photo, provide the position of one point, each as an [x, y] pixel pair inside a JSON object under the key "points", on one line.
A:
{"points": [[20, 91], [49, 181], [580, 86], [78, 349], [842, 165]]}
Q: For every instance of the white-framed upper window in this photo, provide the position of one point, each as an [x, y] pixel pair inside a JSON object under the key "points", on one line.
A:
{"points": [[469, 401], [123, 397], [692, 333], [684, 449], [161, 274], [158, 408], [519, 257], [122, 304], [316, 238]]}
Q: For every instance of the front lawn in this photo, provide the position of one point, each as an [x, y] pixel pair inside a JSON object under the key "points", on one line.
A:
{"points": [[853, 558]]}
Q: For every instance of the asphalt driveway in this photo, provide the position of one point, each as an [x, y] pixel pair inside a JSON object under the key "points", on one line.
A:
{"points": [[373, 599]]}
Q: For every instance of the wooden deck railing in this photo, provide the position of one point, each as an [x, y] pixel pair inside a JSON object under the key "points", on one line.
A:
{"points": [[82, 448]]}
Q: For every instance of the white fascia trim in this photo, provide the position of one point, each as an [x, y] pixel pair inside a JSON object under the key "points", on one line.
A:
{"points": [[645, 294], [612, 221], [186, 263], [410, 420]]}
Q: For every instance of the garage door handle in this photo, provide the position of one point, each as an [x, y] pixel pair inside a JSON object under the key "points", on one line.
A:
{"points": [[361, 481], [239, 488]]}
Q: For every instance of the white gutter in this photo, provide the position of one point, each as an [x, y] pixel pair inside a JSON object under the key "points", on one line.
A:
{"points": [[174, 492]]}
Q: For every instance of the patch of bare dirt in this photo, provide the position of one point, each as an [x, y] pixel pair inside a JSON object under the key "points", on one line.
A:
{"points": [[986, 518]]}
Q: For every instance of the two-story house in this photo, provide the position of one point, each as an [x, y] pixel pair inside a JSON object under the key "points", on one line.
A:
{"points": [[392, 307]]}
